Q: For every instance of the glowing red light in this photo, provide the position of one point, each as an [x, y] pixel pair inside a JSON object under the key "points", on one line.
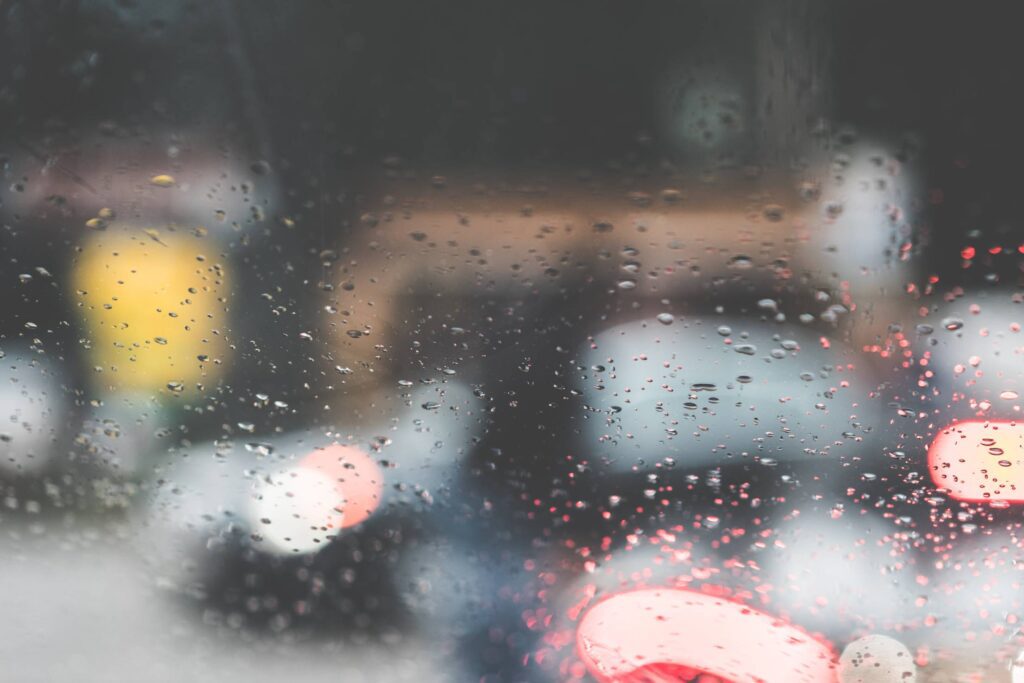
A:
{"points": [[358, 480], [967, 253], [980, 461], [655, 635]]}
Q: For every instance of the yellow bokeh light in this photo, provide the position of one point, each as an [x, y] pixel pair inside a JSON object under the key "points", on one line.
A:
{"points": [[154, 308]]}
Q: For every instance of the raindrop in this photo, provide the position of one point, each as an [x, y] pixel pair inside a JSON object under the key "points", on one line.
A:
{"points": [[162, 180]]}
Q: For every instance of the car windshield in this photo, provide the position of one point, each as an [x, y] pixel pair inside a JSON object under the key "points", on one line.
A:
{"points": [[511, 342]]}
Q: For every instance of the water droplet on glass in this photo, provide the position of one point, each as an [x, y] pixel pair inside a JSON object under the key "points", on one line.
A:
{"points": [[162, 180]]}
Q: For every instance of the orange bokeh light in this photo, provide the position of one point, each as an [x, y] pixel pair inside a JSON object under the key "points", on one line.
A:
{"points": [[980, 461]]}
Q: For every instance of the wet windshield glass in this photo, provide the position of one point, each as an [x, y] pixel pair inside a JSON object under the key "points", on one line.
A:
{"points": [[510, 342]]}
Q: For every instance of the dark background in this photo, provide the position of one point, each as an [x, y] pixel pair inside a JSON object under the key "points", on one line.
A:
{"points": [[508, 82]]}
